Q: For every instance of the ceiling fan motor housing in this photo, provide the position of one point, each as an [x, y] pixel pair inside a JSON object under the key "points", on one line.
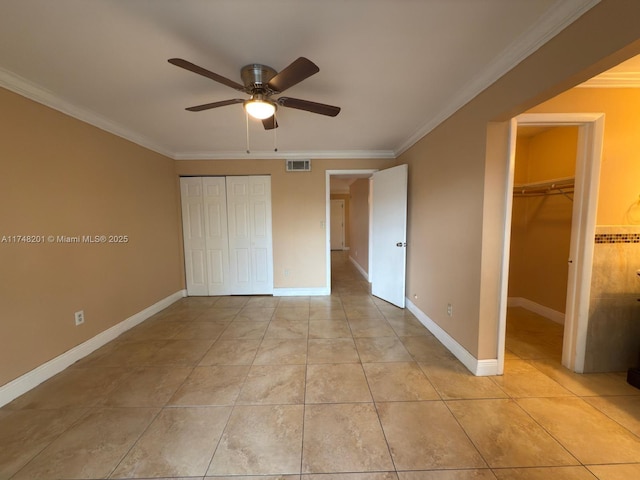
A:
{"points": [[256, 77]]}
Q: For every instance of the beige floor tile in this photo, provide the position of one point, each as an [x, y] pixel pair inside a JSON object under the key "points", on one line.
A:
{"points": [[231, 352], [92, 447], [327, 312], [367, 327], [180, 352], [624, 410], [425, 435], [287, 302], [180, 441], [235, 301], [588, 384], [293, 312], [407, 326], [522, 379], [471, 474], [336, 383], [25, 433], [245, 330], [382, 349], [282, 351], [219, 314], [546, 473], [506, 436], [355, 311], [591, 436], [254, 314], [251, 477], [263, 302], [332, 350], [329, 329], [215, 385], [260, 440], [74, 387], [286, 328], [452, 380], [616, 472], [427, 349], [201, 331], [146, 387], [343, 438], [129, 353], [273, 384], [153, 330], [351, 476], [395, 382]]}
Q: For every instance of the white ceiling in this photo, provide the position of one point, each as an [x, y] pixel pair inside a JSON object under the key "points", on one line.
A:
{"points": [[397, 68]]}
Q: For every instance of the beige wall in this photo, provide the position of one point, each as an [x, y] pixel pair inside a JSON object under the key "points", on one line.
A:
{"points": [[59, 176], [298, 211], [457, 176], [541, 225], [360, 222]]}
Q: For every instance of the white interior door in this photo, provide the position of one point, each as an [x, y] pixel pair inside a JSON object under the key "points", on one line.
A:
{"points": [[337, 224], [389, 234], [249, 220], [217, 241], [193, 231]]}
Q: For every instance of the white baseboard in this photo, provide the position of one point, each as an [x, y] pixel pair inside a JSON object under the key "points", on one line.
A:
{"points": [[35, 377], [359, 268], [534, 307], [301, 292], [480, 368]]}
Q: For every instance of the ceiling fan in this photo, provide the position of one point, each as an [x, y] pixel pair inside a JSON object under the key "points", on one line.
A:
{"points": [[263, 82]]}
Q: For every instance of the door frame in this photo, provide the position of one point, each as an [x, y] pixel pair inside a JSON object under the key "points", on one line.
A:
{"points": [[327, 222], [587, 180]]}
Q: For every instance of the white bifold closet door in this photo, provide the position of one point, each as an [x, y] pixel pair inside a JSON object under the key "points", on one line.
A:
{"points": [[227, 235]]}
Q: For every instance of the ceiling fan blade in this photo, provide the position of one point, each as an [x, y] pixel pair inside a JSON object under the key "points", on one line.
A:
{"points": [[308, 106], [270, 123], [295, 73], [207, 106], [179, 62]]}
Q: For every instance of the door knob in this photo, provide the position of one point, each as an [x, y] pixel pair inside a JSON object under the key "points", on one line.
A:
{"points": [[400, 244]]}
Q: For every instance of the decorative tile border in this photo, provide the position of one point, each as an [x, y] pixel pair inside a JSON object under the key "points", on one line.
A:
{"points": [[617, 237]]}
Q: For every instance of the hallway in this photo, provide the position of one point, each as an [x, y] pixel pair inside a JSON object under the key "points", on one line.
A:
{"points": [[343, 387]]}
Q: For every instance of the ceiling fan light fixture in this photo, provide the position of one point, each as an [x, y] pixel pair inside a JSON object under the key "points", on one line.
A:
{"points": [[259, 108]]}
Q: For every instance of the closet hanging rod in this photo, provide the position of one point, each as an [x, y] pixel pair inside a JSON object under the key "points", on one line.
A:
{"points": [[549, 186]]}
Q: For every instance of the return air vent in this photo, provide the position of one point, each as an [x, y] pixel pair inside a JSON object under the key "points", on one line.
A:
{"points": [[298, 165]]}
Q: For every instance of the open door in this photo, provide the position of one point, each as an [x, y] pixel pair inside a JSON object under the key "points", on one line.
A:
{"points": [[389, 234]]}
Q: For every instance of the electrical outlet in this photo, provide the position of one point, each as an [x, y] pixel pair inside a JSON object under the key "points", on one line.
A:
{"points": [[449, 309], [79, 316], [286, 272]]}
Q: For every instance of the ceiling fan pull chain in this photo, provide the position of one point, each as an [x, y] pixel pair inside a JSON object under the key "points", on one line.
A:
{"points": [[275, 133], [247, 122]]}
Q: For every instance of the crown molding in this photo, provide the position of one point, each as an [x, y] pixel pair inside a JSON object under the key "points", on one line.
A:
{"points": [[30, 90], [270, 155], [554, 20]]}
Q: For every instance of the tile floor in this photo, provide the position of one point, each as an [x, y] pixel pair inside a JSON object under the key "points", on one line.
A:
{"points": [[318, 388]]}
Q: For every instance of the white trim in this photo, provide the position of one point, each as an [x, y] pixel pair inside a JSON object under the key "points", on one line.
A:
{"points": [[613, 80], [481, 368], [554, 20], [359, 268], [534, 307], [589, 156], [300, 292], [24, 87], [35, 377], [296, 155]]}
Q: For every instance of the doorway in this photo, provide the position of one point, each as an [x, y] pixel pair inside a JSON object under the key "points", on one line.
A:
{"points": [[587, 174]]}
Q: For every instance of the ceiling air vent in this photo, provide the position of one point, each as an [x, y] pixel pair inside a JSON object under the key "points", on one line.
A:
{"points": [[298, 165]]}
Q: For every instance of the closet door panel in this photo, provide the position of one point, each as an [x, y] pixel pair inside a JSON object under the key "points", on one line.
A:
{"points": [[239, 235], [217, 241], [261, 244], [193, 231]]}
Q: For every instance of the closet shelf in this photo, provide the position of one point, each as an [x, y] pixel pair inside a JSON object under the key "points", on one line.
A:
{"points": [[559, 186]]}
